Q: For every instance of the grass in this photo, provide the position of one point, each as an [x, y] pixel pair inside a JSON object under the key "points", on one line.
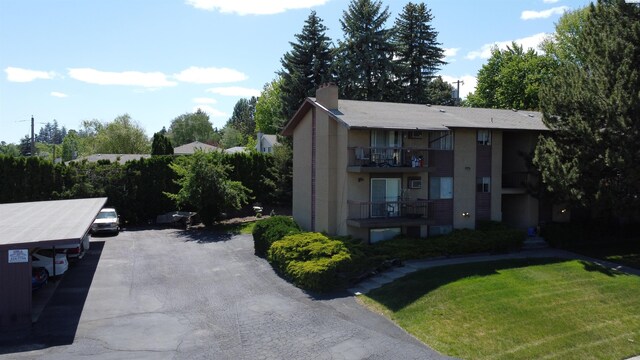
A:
{"points": [[518, 309], [626, 253], [237, 228]]}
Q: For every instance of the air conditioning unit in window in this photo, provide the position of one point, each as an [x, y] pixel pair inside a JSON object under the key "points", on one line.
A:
{"points": [[415, 184]]}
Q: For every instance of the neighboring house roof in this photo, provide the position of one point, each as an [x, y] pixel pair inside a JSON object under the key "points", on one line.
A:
{"points": [[269, 140], [235, 149], [121, 158], [381, 115], [191, 148]]}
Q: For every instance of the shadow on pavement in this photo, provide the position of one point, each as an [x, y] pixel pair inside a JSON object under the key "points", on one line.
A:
{"points": [[58, 322]]}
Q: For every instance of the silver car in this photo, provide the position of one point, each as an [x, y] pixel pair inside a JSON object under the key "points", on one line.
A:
{"points": [[106, 221]]}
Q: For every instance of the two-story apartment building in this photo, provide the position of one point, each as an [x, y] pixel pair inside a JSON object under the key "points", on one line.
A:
{"points": [[374, 170]]}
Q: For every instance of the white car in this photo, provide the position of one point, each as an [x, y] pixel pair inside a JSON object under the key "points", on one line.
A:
{"points": [[106, 221], [76, 250], [44, 258]]}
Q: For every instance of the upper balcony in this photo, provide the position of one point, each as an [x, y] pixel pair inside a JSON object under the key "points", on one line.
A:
{"points": [[388, 160], [518, 182]]}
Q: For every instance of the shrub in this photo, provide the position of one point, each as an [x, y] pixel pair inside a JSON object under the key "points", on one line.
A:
{"points": [[311, 260], [266, 231], [497, 238]]}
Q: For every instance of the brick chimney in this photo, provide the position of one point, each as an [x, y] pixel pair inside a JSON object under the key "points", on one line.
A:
{"points": [[327, 96]]}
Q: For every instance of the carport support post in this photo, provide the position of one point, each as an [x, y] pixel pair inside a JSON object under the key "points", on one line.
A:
{"points": [[54, 261]]}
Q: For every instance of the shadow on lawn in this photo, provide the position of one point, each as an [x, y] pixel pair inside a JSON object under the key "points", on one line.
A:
{"points": [[399, 294]]}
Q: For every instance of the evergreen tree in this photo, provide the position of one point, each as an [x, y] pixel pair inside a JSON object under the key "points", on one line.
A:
{"points": [[439, 92], [243, 118], [592, 106], [417, 53], [306, 66], [363, 59], [161, 145]]}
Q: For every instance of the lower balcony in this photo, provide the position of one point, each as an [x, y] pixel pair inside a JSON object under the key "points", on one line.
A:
{"points": [[389, 213]]}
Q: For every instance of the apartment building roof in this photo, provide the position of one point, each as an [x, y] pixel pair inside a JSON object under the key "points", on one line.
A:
{"points": [[382, 115]]}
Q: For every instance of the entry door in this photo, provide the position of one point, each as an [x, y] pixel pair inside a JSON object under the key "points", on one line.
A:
{"points": [[385, 194]]}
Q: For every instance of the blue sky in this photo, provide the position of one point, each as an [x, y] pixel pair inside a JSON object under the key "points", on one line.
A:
{"points": [[74, 60]]}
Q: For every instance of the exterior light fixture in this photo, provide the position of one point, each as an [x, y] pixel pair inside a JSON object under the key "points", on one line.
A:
{"points": [[466, 214]]}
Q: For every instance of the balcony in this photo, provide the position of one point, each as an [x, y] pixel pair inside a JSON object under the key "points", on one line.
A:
{"points": [[518, 182], [388, 160], [364, 214]]}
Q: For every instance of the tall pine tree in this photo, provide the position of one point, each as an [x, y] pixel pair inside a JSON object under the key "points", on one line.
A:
{"points": [[363, 59], [418, 54], [592, 106], [306, 66]]}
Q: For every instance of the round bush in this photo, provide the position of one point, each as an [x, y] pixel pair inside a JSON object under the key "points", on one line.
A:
{"points": [[266, 231]]}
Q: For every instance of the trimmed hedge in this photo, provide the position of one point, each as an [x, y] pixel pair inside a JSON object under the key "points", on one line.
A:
{"points": [[311, 260], [267, 231], [464, 241]]}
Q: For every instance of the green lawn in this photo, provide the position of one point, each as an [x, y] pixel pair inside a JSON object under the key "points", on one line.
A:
{"points": [[237, 228], [518, 309], [627, 253]]}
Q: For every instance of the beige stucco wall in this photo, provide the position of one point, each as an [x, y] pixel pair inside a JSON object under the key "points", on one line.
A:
{"points": [[464, 178], [301, 206], [496, 175], [325, 165], [342, 179]]}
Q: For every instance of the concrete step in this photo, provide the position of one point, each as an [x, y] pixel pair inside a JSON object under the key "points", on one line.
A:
{"points": [[535, 242]]}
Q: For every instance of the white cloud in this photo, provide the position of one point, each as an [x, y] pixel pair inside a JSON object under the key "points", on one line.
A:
{"points": [[254, 7], [550, 1], [128, 78], [15, 74], [530, 42], [205, 101], [468, 87], [450, 52], [211, 75], [58, 94], [210, 110], [234, 91], [544, 14]]}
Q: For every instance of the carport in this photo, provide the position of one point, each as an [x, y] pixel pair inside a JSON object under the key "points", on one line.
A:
{"points": [[28, 225]]}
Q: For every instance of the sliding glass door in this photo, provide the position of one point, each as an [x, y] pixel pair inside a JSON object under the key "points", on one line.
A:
{"points": [[385, 194]]}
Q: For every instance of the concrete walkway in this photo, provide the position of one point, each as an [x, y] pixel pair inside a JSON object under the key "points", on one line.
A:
{"points": [[415, 265]]}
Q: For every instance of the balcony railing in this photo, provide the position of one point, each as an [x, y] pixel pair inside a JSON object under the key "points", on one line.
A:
{"points": [[388, 157], [518, 180], [407, 209]]}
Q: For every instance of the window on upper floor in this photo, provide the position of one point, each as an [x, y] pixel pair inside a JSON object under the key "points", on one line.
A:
{"points": [[483, 184], [441, 140], [484, 137], [440, 188]]}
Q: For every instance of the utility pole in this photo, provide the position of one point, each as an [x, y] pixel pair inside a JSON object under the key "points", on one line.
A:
{"points": [[33, 139], [458, 83]]}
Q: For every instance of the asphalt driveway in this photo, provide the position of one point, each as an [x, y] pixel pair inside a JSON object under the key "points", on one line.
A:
{"points": [[173, 294]]}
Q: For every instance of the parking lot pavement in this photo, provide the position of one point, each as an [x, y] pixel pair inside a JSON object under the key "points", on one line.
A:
{"points": [[172, 294]]}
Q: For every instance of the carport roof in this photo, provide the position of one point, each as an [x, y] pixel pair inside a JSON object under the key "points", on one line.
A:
{"points": [[46, 223]]}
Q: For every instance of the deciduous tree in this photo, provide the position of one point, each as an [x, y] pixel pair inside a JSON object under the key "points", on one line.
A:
{"points": [[592, 107], [190, 127], [122, 136]]}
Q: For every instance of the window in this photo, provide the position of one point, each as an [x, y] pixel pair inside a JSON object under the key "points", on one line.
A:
{"points": [[483, 184], [376, 235], [440, 188], [484, 137], [441, 140]]}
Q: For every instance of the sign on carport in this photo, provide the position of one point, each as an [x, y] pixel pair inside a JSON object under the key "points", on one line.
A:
{"points": [[18, 256]]}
